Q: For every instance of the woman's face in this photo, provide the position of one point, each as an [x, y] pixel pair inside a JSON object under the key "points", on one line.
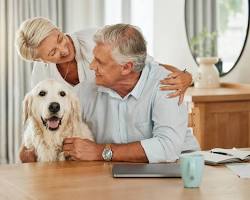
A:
{"points": [[56, 48]]}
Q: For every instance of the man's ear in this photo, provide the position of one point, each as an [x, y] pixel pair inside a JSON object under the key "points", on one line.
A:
{"points": [[127, 68]]}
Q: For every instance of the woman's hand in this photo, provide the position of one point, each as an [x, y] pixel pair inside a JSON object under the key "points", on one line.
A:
{"points": [[178, 80], [27, 155]]}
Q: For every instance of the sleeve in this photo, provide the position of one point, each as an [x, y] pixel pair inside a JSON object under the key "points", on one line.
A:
{"points": [[39, 73], [169, 129]]}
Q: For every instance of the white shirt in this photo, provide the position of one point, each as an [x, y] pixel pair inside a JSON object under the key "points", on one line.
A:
{"points": [[144, 115]]}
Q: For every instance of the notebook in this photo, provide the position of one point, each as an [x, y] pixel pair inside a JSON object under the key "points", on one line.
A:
{"points": [[170, 170], [220, 156]]}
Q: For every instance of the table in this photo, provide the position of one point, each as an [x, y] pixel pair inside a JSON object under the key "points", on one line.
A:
{"points": [[224, 115], [93, 180]]}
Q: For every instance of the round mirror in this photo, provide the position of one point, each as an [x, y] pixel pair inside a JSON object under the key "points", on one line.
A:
{"points": [[217, 28]]}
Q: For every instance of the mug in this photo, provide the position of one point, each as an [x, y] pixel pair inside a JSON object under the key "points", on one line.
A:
{"points": [[192, 166]]}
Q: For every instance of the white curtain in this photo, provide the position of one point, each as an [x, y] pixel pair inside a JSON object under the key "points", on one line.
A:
{"points": [[200, 17], [15, 73]]}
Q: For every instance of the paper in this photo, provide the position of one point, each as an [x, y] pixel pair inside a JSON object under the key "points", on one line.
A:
{"points": [[240, 169], [221, 156], [241, 154]]}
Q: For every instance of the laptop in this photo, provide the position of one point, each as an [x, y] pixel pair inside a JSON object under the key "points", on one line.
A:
{"points": [[159, 170]]}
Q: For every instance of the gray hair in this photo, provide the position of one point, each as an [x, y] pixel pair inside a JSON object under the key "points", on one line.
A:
{"points": [[30, 34], [127, 42]]}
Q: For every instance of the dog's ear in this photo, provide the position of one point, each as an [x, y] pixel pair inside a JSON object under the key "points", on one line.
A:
{"points": [[27, 107], [76, 112]]}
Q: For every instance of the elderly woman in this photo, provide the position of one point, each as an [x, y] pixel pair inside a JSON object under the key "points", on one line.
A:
{"points": [[66, 58]]}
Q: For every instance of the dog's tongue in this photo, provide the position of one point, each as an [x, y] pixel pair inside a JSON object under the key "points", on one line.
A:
{"points": [[53, 123]]}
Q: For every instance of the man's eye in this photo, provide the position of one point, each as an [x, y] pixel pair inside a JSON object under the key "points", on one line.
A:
{"points": [[42, 93], [62, 93]]}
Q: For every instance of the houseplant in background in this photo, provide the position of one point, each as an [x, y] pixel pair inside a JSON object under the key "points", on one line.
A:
{"points": [[203, 47]]}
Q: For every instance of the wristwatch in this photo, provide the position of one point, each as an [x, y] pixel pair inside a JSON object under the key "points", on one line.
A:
{"points": [[107, 153]]}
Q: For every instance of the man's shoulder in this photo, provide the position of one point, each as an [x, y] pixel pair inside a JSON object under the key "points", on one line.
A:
{"points": [[87, 87], [156, 71]]}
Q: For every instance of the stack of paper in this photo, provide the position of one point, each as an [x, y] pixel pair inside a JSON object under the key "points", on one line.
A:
{"points": [[220, 156]]}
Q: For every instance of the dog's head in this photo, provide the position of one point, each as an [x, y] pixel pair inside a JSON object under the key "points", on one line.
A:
{"points": [[51, 104]]}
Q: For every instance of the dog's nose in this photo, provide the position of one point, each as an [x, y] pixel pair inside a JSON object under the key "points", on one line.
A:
{"points": [[54, 107]]}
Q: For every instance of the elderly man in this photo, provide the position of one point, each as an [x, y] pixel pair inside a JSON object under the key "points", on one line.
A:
{"points": [[131, 118]]}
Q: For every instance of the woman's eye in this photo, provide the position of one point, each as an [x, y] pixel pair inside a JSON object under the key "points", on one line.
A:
{"points": [[62, 93], [42, 93], [52, 53]]}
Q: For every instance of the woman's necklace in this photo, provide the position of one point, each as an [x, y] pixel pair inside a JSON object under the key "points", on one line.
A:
{"points": [[67, 72]]}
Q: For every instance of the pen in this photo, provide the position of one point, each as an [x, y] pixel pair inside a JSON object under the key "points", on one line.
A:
{"points": [[221, 153]]}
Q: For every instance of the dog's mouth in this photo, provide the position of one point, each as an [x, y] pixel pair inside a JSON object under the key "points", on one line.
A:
{"points": [[52, 123]]}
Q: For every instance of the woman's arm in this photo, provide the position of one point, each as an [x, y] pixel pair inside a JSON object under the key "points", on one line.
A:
{"points": [[178, 80]]}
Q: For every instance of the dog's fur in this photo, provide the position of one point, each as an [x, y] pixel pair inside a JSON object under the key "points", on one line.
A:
{"points": [[45, 129]]}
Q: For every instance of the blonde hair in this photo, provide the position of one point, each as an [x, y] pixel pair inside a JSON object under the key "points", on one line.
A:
{"points": [[30, 34]]}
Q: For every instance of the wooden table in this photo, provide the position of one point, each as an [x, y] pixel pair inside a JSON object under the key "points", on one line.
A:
{"points": [[223, 115], [93, 180]]}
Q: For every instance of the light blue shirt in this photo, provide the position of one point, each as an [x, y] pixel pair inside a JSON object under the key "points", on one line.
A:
{"points": [[145, 115]]}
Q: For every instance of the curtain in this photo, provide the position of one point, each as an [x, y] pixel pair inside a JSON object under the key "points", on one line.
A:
{"points": [[201, 18], [15, 73]]}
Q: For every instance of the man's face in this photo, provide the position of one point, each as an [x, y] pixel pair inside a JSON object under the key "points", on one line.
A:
{"points": [[107, 70], [56, 48]]}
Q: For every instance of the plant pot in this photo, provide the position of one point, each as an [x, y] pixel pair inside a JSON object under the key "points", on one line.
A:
{"points": [[208, 75]]}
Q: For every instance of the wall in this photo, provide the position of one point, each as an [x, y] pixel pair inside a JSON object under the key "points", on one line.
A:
{"points": [[80, 14], [171, 44]]}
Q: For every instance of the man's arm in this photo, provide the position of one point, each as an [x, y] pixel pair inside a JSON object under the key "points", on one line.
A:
{"points": [[132, 152], [169, 129], [83, 149]]}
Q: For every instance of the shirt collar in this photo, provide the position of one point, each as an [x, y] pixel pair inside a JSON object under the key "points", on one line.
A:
{"points": [[136, 92]]}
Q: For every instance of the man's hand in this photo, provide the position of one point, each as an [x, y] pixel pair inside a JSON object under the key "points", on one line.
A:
{"points": [[82, 149], [27, 155], [178, 80]]}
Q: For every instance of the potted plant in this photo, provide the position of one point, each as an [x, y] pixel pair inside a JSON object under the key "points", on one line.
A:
{"points": [[203, 48], [204, 44]]}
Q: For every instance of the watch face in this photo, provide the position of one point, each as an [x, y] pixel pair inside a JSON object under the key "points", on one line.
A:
{"points": [[107, 154]]}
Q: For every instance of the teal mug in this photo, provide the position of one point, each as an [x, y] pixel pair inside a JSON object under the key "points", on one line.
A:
{"points": [[192, 166]]}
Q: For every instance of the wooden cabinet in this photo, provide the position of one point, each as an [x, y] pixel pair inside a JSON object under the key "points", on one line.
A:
{"points": [[222, 115]]}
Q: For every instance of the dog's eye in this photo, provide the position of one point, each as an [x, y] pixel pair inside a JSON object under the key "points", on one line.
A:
{"points": [[42, 93], [62, 93]]}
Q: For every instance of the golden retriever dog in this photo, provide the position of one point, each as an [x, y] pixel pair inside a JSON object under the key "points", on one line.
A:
{"points": [[51, 113]]}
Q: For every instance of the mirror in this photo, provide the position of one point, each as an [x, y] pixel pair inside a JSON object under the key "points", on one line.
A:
{"points": [[217, 28]]}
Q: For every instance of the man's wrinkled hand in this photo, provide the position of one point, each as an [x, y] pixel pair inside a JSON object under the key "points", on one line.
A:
{"points": [[82, 149]]}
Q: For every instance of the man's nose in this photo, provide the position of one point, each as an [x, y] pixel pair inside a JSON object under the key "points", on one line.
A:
{"points": [[93, 65]]}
